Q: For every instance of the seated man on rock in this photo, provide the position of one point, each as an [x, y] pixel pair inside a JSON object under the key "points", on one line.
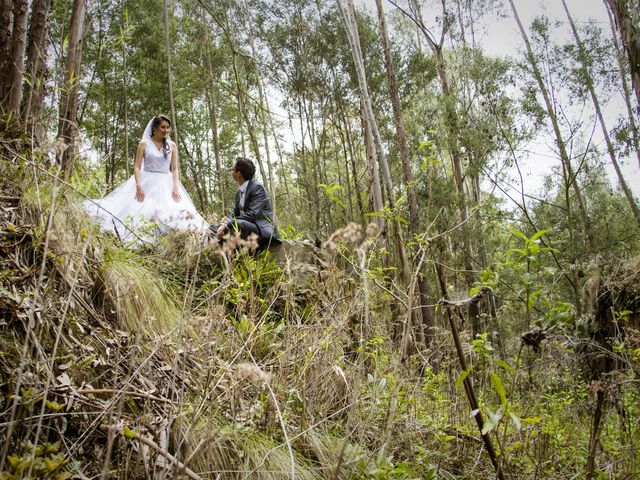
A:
{"points": [[252, 212]]}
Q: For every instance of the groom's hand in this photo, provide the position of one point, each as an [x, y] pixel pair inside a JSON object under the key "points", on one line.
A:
{"points": [[222, 228]]}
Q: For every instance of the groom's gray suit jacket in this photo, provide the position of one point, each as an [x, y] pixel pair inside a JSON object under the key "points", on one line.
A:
{"points": [[257, 210]]}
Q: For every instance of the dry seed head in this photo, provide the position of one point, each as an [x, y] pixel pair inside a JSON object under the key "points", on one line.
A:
{"points": [[252, 372], [349, 234], [372, 229]]}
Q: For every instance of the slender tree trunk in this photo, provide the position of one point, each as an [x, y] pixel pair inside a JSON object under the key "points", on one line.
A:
{"points": [[214, 127], [594, 435], [36, 55], [284, 178], [349, 17], [167, 45], [125, 98], [571, 179], [352, 155], [16, 55], [630, 38], [612, 154], [451, 124], [6, 18], [414, 217], [236, 76], [69, 100], [315, 164], [311, 193], [253, 138], [264, 129], [625, 86]]}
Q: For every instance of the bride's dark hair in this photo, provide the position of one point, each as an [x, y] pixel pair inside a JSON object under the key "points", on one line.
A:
{"points": [[155, 123]]}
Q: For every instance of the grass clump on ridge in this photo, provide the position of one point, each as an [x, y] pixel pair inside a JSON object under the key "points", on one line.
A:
{"points": [[137, 296]]}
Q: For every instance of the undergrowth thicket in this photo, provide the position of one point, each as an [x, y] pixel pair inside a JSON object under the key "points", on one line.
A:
{"points": [[176, 361]]}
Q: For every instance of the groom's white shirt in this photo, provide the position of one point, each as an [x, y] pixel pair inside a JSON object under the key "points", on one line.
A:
{"points": [[243, 191]]}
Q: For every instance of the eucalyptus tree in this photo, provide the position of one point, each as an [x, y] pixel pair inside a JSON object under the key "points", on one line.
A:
{"points": [[450, 121], [627, 20], [13, 85], [6, 15], [414, 217], [67, 126], [569, 176], [293, 69], [633, 138], [586, 63]]}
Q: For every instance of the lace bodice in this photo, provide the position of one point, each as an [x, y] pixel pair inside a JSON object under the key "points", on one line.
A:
{"points": [[154, 159]]}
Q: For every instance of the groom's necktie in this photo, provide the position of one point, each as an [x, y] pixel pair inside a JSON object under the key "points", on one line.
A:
{"points": [[241, 204]]}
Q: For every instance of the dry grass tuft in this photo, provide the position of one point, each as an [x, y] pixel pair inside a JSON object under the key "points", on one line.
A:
{"points": [[137, 296]]}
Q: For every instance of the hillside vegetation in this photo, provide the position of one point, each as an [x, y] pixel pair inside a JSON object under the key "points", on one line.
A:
{"points": [[178, 360]]}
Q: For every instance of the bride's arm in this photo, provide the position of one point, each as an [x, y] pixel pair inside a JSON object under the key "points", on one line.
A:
{"points": [[174, 171], [136, 171]]}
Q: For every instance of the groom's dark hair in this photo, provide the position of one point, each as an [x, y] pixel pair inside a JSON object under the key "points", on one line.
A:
{"points": [[245, 167]]}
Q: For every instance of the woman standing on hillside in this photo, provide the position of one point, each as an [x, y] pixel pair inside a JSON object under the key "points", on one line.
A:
{"points": [[153, 201]]}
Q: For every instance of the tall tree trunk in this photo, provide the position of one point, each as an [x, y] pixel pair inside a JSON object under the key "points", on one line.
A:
{"points": [[125, 99], [214, 126], [451, 124], [33, 89], [67, 127], [612, 154], [414, 217], [6, 18], [630, 38], [16, 56], [261, 107], [625, 86], [375, 188], [253, 138], [352, 153], [570, 177], [354, 39], [315, 164], [167, 44], [284, 178], [239, 90]]}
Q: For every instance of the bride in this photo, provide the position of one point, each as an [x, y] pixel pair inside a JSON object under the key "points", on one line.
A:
{"points": [[153, 201]]}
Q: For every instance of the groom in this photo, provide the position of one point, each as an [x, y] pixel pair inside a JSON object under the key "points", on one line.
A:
{"points": [[252, 212]]}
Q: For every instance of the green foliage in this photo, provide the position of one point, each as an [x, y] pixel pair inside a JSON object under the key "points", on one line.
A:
{"points": [[37, 461]]}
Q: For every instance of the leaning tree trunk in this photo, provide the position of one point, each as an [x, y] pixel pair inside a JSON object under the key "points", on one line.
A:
{"points": [[414, 217], [582, 54], [349, 18], [570, 176], [625, 87], [16, 56], [33, 94], [352, 32], [67, 127], [630, 36]]}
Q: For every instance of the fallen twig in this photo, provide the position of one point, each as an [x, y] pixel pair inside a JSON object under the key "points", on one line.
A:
{"points": [[151, 444]]}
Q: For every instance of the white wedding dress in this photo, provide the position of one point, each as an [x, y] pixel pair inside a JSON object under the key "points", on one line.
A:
{"points": [[136, 222]]}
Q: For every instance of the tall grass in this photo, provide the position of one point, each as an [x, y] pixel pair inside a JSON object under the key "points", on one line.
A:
{"points": [[137, 296]]}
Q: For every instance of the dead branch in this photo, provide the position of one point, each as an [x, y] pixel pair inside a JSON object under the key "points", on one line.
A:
{"points": [[475, 298], [151, 444]]}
